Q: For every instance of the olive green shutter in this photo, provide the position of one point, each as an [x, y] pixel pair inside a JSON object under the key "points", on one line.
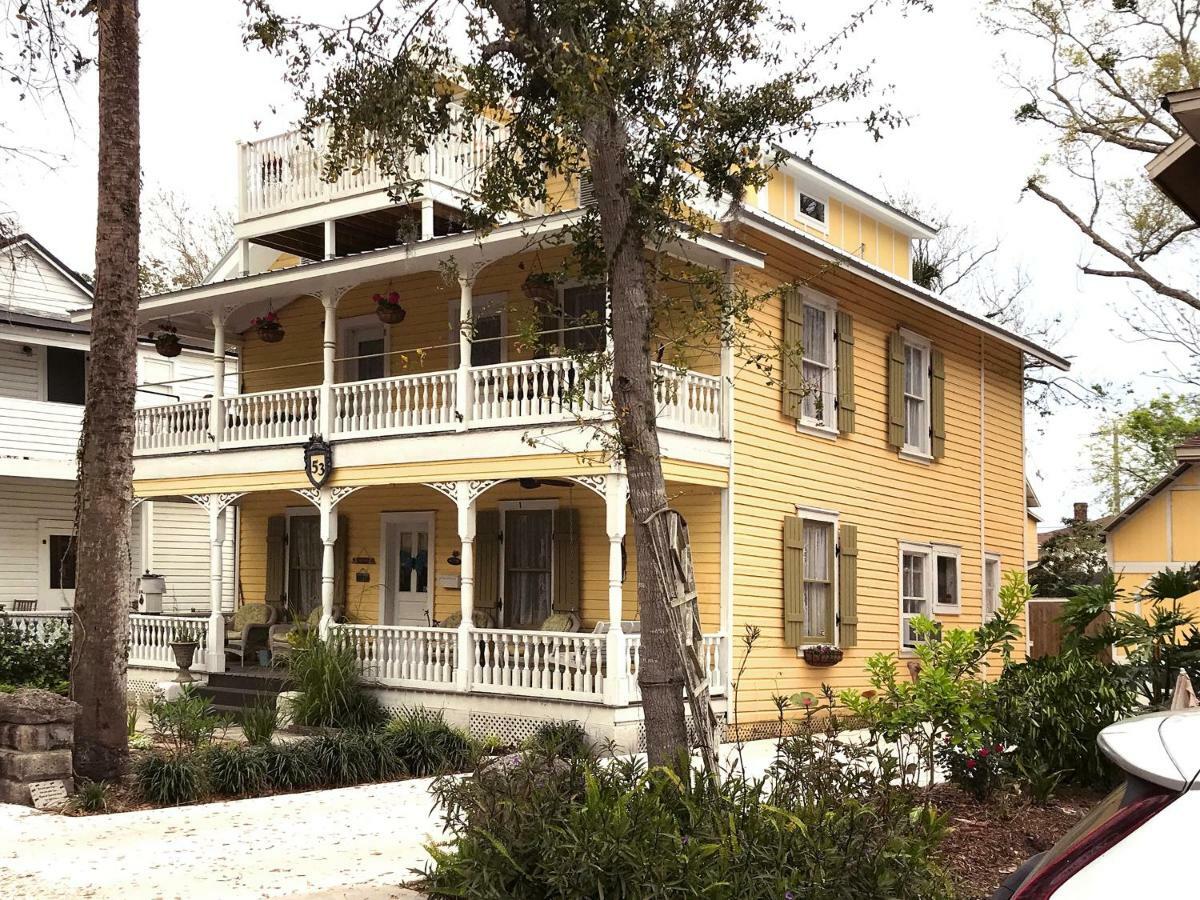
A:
{"points": [[937, 403], [845, 372], [791, 368], [340, 546], [487, 559], [276, 592], [847, 585], [793, 581], [895, 390], [566, 560]]}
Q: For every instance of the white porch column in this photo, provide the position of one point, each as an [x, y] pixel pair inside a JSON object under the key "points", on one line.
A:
{"points": [[330, 238], [426, 219], [243, 257], [616, 687], [329, 301], [466, 535], [463, 394], [215, 659], [328, 539], [216, 416]]}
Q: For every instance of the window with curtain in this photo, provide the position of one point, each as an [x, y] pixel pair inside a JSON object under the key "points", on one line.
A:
{"points": [[528, 566], [818, 579], [304, 563], [916, 397], [817, 360], [947, 577]]}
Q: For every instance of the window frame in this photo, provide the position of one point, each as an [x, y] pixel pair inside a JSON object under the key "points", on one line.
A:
{"points": [[504, 507], [812, 424], [831, 518], [44, 372], [561, 338], [991, 594], [482, 306], [909, 548], [947, 551], [347, 328], [924, 450], [822, 197]]}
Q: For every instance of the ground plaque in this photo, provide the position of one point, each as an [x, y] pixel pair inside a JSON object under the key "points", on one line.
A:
{"points": [[48, 794]]}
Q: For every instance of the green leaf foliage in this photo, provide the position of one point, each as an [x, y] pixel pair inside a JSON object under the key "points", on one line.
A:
{"points": [[35, 660], [328, 677]]}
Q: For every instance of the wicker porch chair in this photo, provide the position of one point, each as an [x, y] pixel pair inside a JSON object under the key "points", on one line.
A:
{"points": [[249, 631]]}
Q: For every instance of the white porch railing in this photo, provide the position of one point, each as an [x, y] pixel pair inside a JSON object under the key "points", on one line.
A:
{"points": [[712, 655], [553, 664], [178, 426], [270, 416], [403, 403], [150, 640], [402, 656], [285, 172], [37, 624], [535, 390], [688, 400]]}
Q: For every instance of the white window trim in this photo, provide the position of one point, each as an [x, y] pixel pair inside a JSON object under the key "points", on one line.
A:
{"points": [[914, 452], [988, 559], [955, 553], [61, 597], [828, 428], [830, 516], [481, 305], [353, 323], [43, 373], [926, 550], [822, 197], [504, 506]]}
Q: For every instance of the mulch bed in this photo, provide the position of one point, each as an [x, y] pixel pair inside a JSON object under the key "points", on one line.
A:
{"points": [[988, 841]]}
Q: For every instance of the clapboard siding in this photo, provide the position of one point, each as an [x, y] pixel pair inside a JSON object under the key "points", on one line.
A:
{"points": [[19, 371], [31, 284], [180, 553]]}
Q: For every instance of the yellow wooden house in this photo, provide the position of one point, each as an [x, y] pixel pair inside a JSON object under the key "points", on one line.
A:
{"points": [[471, 540]]}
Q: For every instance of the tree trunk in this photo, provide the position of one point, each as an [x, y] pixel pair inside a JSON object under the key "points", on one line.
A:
{"points": [[660, 676], [105, 490]]}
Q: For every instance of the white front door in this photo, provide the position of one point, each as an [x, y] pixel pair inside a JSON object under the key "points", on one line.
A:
{"points": [[56, 564], [407, 588]]}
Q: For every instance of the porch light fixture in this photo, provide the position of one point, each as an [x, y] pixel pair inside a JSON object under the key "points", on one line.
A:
{"points": [[455, 559]]}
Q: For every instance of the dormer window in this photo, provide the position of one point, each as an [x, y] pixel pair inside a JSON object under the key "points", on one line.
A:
{"points": [[810, 207]]}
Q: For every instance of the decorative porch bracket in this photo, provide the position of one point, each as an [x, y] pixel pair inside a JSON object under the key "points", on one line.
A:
{"points": [[326, 499], [216, 504]]}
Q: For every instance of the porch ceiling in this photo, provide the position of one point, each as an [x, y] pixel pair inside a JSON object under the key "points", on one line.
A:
{"points": [[470, 252]]}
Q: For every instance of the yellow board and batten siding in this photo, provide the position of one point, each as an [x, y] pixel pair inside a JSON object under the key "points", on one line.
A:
{"points": [[862, 479]]}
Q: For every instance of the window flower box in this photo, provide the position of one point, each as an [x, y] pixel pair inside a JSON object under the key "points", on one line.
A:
{"points": [[822, 656]]}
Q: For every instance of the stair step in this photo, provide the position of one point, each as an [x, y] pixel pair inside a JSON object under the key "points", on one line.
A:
{"points": [[237, 697], [237, 681]]}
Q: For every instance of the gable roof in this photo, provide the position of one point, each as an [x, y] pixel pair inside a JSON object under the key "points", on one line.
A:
{"points": [[1165, 482], [76, 279]]}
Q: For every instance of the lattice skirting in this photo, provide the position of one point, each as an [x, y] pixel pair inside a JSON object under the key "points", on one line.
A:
{"points": [[722, 726], [509, 730], [139, 690]]}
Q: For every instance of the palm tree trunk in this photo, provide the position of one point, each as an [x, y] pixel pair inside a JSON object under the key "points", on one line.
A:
{"points": [[105, 490]]}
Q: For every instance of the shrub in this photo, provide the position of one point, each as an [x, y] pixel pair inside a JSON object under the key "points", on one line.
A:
{"points": [[290, 766], [331, 693], [344, 758], [427, 745], [813, 827], [236, 771], [186, 723], [170, 779], [32, 660], [91, 797], [979, 768], [565, 739], [1051, 710], [259, 721]]}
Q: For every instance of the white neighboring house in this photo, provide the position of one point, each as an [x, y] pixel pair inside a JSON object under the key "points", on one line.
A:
{"points": [[43, 358]]}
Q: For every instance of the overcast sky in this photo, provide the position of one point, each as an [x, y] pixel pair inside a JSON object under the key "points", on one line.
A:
{"points": [[962, 154]]}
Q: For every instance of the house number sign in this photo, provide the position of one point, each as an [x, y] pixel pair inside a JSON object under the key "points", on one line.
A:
{"points": [[318, 460]]}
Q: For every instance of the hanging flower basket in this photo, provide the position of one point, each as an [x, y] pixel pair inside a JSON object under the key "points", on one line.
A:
{"points": [[540, 287], [268, 327], [822, 656], [388, 308], [166, 341]]}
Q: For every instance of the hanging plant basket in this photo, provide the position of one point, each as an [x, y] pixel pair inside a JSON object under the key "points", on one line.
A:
{"points": [[823, 656], [166, 341], [388, 308], [268, 327], [540, 287]]}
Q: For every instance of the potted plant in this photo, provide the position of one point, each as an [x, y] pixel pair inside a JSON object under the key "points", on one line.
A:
{"points": [[166, 340], [184, 641], [822, 655], [268, 327], [539, 287], [388, 308]]}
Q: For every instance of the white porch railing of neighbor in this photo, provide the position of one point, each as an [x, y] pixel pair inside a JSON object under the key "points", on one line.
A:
{"points": [[403, 403], [178, 426], [150, 640], [32, 429], [285, 171], [688, 400], [535, 390], [37, 624], [553, 664], [712, 655], [270, 417], [403, 656]]}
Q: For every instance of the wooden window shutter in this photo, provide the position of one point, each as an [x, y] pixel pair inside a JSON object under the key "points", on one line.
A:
{"points": [[847, 585], [937, 403], [340, 546], [566, 560], [793, 581], [487, 559], [791, 368], [845, 372], [276, 592], [895, 390]]}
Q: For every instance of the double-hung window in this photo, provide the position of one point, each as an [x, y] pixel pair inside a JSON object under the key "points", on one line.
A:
{"points": [[917, 382], [991, 586], [818, 364], [930, 582], [819, 569]]}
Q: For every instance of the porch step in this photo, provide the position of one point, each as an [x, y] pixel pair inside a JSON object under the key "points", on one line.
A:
{"points": [[264, 681], [232, 692]]}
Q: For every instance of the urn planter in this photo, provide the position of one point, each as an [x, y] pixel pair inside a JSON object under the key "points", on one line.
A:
{"points": [[185, 653]]}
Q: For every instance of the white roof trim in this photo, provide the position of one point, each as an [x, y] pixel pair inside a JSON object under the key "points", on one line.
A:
{"points": [[33, 244], [752, 217]]}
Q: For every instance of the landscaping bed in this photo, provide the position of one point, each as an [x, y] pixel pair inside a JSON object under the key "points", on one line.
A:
{"points": [[988, 841]]}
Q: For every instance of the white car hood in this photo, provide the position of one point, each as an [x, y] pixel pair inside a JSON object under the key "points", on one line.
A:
{"points": [[1163, 748]]}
